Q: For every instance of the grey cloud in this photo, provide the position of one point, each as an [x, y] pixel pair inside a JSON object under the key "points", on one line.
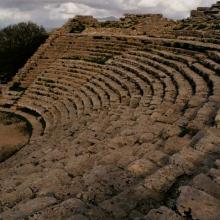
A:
{"points": [[55, 12]]}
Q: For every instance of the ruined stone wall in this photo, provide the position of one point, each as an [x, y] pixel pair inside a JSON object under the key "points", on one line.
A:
{"points": [[207, 12], [134, 24], [204, 21]]}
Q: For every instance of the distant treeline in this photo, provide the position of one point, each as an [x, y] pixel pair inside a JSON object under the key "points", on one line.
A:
{"points": [[17, 44]]}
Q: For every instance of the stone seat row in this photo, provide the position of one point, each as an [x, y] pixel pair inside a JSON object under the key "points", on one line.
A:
{"points": [[142, 91]]}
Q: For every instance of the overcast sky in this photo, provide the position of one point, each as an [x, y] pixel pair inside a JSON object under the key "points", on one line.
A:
{"points": [[53, 13]]}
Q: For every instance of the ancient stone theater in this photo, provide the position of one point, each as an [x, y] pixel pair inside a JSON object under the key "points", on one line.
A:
{"points": [[125, 122]]}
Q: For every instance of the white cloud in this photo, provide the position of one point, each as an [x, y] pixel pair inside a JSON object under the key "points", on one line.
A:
{"points": [[150, 3], [55, 12], [68, 10], [13, 15]]}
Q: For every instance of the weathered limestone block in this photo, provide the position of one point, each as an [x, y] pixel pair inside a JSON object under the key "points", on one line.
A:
{"points": [[141, 167], [25, 209], [77, 217], [10, 199], [217, 119], [175, 144], [163, 179], [205, 183], [163, 213], [78, 165], [198, 204], [146, 137], [68, 209]]}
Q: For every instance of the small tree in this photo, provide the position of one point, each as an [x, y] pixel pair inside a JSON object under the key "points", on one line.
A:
{"points": [[17, 44]]}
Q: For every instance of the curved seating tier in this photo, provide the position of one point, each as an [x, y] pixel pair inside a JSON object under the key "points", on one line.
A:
{"points": [[131, 129]]}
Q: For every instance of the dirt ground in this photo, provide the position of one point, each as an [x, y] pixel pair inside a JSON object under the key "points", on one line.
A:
{"points": [[13, 135]]}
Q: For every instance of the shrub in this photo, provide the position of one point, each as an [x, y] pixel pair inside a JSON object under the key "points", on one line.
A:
{"points": [[17, 44]]}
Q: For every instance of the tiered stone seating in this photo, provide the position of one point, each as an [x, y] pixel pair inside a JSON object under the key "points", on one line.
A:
{"points": [[208, 75], [130, 130]]}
